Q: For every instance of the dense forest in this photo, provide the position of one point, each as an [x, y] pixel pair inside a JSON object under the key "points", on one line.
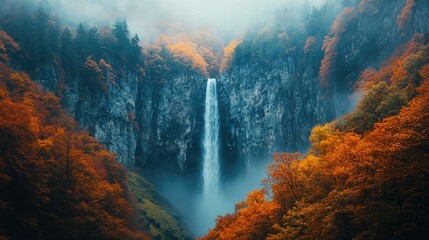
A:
{"points": [[101, 130], [74, 52], [57, 181], [366, 174]]}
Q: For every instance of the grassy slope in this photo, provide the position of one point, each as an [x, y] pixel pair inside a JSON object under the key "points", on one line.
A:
{"points": [[154, 212]]}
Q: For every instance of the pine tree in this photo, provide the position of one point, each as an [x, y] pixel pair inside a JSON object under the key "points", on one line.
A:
{"points": [[81, 42], [94, 43], [67, 52], [121, 33], [135, 51]]}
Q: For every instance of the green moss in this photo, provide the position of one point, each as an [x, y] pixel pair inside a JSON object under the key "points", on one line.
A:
{"points": [[154, 212]]}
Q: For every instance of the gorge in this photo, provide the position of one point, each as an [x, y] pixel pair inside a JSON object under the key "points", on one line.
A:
{"points": [[200, 114]]}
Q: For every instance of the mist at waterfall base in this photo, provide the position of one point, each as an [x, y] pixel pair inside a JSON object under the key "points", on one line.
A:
{"points": [[200, 207]]}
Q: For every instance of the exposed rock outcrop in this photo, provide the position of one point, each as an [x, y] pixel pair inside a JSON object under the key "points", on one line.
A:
{"points": [[264, 109]]}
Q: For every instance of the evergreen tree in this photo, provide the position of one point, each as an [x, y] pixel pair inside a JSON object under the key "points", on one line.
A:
{"points": [[67, 52], [121, 33], [81, 42], [93, 43], [39, 30], [135, 51]]}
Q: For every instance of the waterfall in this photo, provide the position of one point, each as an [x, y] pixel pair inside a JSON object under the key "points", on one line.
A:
{"points": [[211, 139]]}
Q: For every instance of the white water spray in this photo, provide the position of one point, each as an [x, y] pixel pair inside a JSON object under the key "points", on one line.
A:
{"points": [[211, 140]]}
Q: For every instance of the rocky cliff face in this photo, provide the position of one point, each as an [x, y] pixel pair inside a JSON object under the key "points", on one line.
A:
{"points": [[264, 109], [372, 35], [146, 123], [170, 118], [272, 109], [267, 110], [108, 116]]}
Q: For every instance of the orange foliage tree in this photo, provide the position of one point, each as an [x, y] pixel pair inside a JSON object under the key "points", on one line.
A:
{"points": [[252, 220], [94, 76], [367, 185], [201, 50], [7, 46], [331, 43], [56, 181], [186, 52], [311, 40], [228, 54], [406, 14]]}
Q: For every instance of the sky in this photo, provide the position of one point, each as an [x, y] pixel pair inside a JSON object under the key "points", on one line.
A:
{"points": [[147, 17]]}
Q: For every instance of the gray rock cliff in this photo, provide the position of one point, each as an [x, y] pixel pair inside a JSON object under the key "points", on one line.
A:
{"points": [[264, 109]]}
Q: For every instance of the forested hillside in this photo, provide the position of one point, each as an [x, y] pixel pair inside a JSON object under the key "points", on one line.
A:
{"points": [[109, 134], [58, 182], [366, 174]]}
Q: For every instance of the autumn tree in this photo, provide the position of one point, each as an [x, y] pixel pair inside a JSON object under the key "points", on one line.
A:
{"points": [[93, 76], [252, 220], [228, 54], [406, 14], [368, 180], [57, 182], [330, 44], [185, 52]]}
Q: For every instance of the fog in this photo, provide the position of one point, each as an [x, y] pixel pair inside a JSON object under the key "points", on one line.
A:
{"points": [[199, 211], [149, 18]]}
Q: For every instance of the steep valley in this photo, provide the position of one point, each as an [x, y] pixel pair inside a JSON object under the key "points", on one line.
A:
{"points": [[146, 102]]}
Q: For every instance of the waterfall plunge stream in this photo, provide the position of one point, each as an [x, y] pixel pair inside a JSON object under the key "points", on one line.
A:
{"points": [[201, 211], [211, 141]]}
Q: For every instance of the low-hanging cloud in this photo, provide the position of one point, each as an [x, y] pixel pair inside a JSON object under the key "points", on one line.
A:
{"points": [[148, 17]]}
